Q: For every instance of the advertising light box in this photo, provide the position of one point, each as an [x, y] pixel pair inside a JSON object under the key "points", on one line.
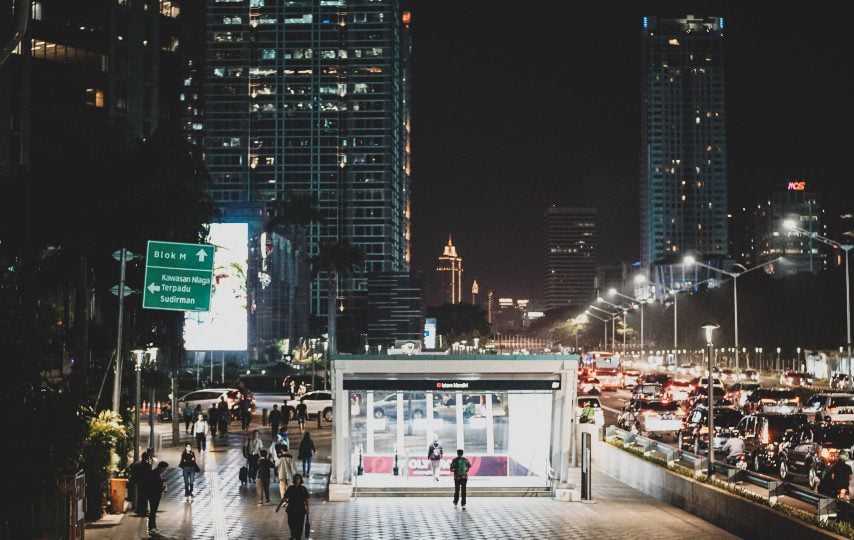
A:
{"points": [[224, 327]]}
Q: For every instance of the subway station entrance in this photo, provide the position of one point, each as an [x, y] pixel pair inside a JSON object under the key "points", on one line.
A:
{"points": [[511, 415]]}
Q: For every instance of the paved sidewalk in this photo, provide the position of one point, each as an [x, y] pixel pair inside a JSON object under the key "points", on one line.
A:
{"points": [[223, 509]]}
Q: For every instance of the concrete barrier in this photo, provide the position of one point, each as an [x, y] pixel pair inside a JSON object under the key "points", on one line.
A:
{"points": [[730, 512]]}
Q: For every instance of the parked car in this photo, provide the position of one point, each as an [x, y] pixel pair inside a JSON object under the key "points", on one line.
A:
{"points": [[590, 387], [779, 400], [740, 391], [694, 434], [652, 417], [598, 415], [838, 407], [794, 379], [317, 402], [763, 433], [811, 448]]}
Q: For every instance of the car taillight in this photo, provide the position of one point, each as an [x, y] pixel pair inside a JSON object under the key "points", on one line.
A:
{"points": [[794, 400], [704, 430], [825, 452]]}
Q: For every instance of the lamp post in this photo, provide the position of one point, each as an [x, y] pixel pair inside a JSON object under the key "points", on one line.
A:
{"points": [[613, 331], [709, 329], [641, 301], [779, 363], [792, 226], [587, 312], [611, 317], [138, 354], [152, 359], [689, 261]]}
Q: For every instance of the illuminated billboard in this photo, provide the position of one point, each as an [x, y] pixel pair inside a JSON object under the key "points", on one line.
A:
{"points": [[223, 328]]}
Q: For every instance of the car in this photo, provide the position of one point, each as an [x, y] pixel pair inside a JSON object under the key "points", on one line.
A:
{"points": [[700, 395], [727, 375], [678, 389], [838, 407], [781, 400], [316, 402], [764, 433], [694, 434], [793, 378], [648, 391], [748, 375], [609, 378], [211, 397], [810, 450], [652, 417], [704, 381], [598, 415], [740, 391], [631, 378], [657, 378], [477, 402], [591, 387]]}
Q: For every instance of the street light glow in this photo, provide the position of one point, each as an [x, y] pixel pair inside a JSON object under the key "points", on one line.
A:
{"points": [[640, 278], [790, 225], [612, 291], [689, 260]]}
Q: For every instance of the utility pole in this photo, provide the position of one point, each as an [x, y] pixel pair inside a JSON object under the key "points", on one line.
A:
{"points": [[122, 256]]}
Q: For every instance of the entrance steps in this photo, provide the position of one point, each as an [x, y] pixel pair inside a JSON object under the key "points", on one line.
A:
{"points": [[448, 491]]}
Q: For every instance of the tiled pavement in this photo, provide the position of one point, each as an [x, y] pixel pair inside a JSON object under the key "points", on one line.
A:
{"points": [[222, 509]]}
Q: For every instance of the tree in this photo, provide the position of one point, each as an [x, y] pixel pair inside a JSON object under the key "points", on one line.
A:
{"points": [[568, 331], [460, 321], [335, 260]]}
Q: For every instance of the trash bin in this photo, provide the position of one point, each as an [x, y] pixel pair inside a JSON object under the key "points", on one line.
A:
{"points": [[118, 494]]}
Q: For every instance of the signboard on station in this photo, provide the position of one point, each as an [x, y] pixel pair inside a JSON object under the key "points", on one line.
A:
{"points": [[178, 276]]}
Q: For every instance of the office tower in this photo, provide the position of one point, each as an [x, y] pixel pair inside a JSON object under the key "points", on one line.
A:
{"points": [[474, 291], [683, 187], [82, 66], [570, 256], [313, 98], [803, 254], [450, 268], [394, 308], [611, 274]]}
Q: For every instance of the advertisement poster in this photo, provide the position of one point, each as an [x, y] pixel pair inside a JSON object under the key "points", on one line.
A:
{"points": [[480, 465]]}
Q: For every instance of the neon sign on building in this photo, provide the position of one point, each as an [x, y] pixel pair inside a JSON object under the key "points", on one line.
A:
{"points": [[797, 186]]}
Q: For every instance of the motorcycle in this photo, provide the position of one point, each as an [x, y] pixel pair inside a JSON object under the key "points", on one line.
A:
{"points": [[738, 461]]}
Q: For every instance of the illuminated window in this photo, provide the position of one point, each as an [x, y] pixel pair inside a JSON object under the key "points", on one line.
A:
{"points": [[169, 8], [673, 41], [37, 11], [94, 97]]}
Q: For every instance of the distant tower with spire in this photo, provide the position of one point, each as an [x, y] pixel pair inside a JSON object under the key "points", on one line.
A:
{"points": [[474, 291], [450, 268]]}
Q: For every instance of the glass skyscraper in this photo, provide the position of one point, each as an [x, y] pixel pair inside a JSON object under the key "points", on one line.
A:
{"points": [[312, 97], [683, 187], [570, 256]]}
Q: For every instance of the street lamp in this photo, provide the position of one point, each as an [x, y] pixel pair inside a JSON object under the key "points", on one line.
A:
{"points": [[641, 301], [138, 355], [709, 329], [689, 261], [611, 317], [613, 326], [791, 225], [587, 312]]}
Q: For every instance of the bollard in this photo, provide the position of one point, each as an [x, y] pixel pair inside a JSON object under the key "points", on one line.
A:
{"points": [[264, 417], [826, 508], [319, 415], [586, 469]]}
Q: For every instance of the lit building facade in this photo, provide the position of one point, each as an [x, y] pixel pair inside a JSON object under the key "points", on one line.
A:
{"points": [[570, 256], [313, 98], [802, 254], [450, 268], [394, 308], [683, 185]]}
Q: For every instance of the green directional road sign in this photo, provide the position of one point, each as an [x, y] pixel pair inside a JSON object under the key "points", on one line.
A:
{"points": [[178, 276]]}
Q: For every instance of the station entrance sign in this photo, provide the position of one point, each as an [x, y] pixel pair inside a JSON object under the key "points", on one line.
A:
{"points": [[178, 276]]}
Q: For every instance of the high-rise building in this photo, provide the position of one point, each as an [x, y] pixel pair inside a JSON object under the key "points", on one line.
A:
{"points": [[570, 256], [313, 98], [450, 269], [82, 66], [802, 253], [611, 274], [683, 187], [394, 308]]}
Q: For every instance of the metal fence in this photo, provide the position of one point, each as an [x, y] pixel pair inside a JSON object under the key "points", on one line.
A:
{"points": [[825, 507]]}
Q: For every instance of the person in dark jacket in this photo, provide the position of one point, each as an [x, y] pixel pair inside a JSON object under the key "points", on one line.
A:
{"points": [[155, 486], [224, 416], [275, 419], [139, 472], [245, 412], [213, 417], [189, 468], [296, 497], [265, 467], [460, 469], [306, 452], [187, 413]]}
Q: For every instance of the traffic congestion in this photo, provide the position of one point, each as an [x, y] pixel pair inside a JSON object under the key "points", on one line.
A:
{"points": [[781, 425]]}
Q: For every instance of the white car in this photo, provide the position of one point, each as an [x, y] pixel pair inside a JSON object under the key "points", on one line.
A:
{"points": [[839, 407], [208, 397], [317, 402]]}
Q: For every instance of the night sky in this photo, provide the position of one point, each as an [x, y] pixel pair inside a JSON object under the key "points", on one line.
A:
{"points": [[517, 107]]}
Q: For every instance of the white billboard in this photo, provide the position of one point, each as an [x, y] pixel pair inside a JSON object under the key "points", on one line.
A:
{"points": [[224, 327]]}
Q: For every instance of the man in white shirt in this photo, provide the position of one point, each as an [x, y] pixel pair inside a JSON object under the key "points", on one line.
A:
{"points": [[200, 429], [253, 453]]}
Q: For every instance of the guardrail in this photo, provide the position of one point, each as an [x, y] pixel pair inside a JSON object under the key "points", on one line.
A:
{"points": [[825, 507]]}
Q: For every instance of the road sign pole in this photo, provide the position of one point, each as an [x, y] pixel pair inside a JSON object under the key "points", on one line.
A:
{"points": [[117, 382]]}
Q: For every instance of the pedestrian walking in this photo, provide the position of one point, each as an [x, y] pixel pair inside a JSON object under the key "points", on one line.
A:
{"points": [[189, 468], [139, 472], [297, 500], [200, 430], [264, 467], [198, 410], [306, 452], [275, 419], [302, 388], [302, 416], [155, 487], [253, 453], [245, 412], [187, 413], [285, 467], [224, 416], [213, 420], [291, 386], [460, 468], [434, 456]]}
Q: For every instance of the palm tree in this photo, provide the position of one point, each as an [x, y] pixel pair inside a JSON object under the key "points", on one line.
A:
{"points": [[336, 259], [295, 213]]}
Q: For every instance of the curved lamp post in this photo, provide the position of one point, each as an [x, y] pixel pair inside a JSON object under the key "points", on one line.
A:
{"points": [[709, 329]]}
